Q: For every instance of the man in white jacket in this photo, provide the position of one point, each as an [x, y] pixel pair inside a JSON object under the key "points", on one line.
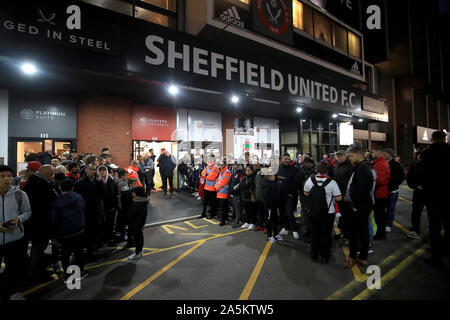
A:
{"points": [[14, 211]]}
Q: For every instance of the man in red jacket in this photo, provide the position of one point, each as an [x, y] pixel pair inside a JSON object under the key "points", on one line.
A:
{"points": [[381, 166]]}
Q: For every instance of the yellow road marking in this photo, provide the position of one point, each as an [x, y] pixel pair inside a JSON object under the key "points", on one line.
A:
{"points": [[200, 234], [355, 269], [297, 215], [210, 221], [42, 285], [167, 227], [392, 274], [398, 225], [194, 226], [354, 283], [406, 187], [3, 265], [405, 200], [254, 276], [161, 271]]}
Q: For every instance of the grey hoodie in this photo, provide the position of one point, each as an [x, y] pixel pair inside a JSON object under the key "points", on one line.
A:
{"points": [[9, 209]]}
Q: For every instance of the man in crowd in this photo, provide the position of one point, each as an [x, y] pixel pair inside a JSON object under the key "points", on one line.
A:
{"points": [[93, 191], [68, 222], [235, 196], [342, 174], [14, 211], [418, 200], [222, 187], [133, 170], [55, 162], [73, 171], [210, 174], [147, 166], [41, 192], [381, 167], [105, 151], [167, 164], [110, 202], [433, 175], [287, 188], [397, 177], [359, 195], [45, 157]]}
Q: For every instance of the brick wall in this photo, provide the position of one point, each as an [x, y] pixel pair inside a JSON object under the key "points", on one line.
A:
{"points": [[105, 122]]}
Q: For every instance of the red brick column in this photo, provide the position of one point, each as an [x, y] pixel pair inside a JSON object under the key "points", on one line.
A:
{"points": [[105, 122]]}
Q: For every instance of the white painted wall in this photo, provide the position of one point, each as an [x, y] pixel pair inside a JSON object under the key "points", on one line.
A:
{"points": [[4, 125]]}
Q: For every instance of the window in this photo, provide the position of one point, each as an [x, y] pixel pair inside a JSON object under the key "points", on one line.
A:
{"points": [[156, 18], [322, 27], [339, 37], [289, 138], [302, 16], [354, 44], [170, 5]]}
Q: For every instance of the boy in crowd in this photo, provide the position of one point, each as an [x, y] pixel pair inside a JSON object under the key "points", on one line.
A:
{"points": [[68, 222], [137, 218], [323, 192]]}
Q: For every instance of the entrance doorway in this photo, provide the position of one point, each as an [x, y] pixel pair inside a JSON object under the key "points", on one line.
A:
{"points": [[143, 147], [25, 147]]}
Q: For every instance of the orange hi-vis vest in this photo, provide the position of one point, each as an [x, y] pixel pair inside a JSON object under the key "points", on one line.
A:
{"points": [[223, 184], [212, 173], [133, 174]]}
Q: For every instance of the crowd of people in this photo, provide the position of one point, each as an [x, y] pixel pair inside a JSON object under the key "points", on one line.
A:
{"points": [[78, 204]]}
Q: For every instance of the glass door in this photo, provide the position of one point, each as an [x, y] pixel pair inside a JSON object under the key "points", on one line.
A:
{"points": [[24, 149]]}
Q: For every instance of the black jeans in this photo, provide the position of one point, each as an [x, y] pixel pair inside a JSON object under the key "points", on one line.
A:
{"points": [[417, 208], [73, 245], [380, 210], [223, 203], [251, 209], [438, 216], [359, 234], [136, 226], [210, 199], [164, 182], [15, 255], [321, 231], [287, 214], [344, 208], [262, 214], [272, 223], [39, 260], [108, 226]]}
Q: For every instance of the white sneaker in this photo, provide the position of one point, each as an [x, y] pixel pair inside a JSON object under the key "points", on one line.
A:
{"points": [[296, 235], [245, 226], [388, 229], [284, 232], [251, 227], [279, 237], [199, 198], [135, 256], [272, 239], [413, 235]]}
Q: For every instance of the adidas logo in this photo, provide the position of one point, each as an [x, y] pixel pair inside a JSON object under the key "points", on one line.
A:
{"points": [[355, 68], [231, 15]]}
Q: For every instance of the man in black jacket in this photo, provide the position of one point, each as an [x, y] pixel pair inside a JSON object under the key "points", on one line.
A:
{"points": [[41, 192], [418, 200], [287, 188], [397, 177], [167, 164], [342, 174], [433, 178], [359, 195], [93, 191]]}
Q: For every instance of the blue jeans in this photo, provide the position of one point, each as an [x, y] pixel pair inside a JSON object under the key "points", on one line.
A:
{"points": [[393, 198]]}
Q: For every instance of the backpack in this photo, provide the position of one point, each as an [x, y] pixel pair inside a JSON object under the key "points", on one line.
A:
{"points": [[318, 204]]}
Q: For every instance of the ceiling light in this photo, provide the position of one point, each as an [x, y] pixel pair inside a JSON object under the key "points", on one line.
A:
{"points": [[235, 99], [173, 90], [360, 120], [345, 115], [28, 68], [335, 115], [299, 110]]}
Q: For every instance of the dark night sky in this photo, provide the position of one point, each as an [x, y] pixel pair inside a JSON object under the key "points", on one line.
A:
{"points": [[444, 6]]}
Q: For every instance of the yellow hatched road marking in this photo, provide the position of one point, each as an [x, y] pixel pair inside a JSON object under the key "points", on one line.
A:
{"points": [[405, 200], [355, 269], [200, 234], [161, 271], [255, 274], [392, 274], [210, 221], [194, 226], [167, 227]]}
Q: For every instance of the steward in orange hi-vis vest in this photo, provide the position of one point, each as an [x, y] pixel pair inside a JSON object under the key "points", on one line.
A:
{"points": [[212, 173], [223, 184], [133, 174]]}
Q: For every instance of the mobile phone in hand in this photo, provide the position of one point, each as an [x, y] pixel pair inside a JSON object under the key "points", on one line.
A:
{"points": [[8, 224]]}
